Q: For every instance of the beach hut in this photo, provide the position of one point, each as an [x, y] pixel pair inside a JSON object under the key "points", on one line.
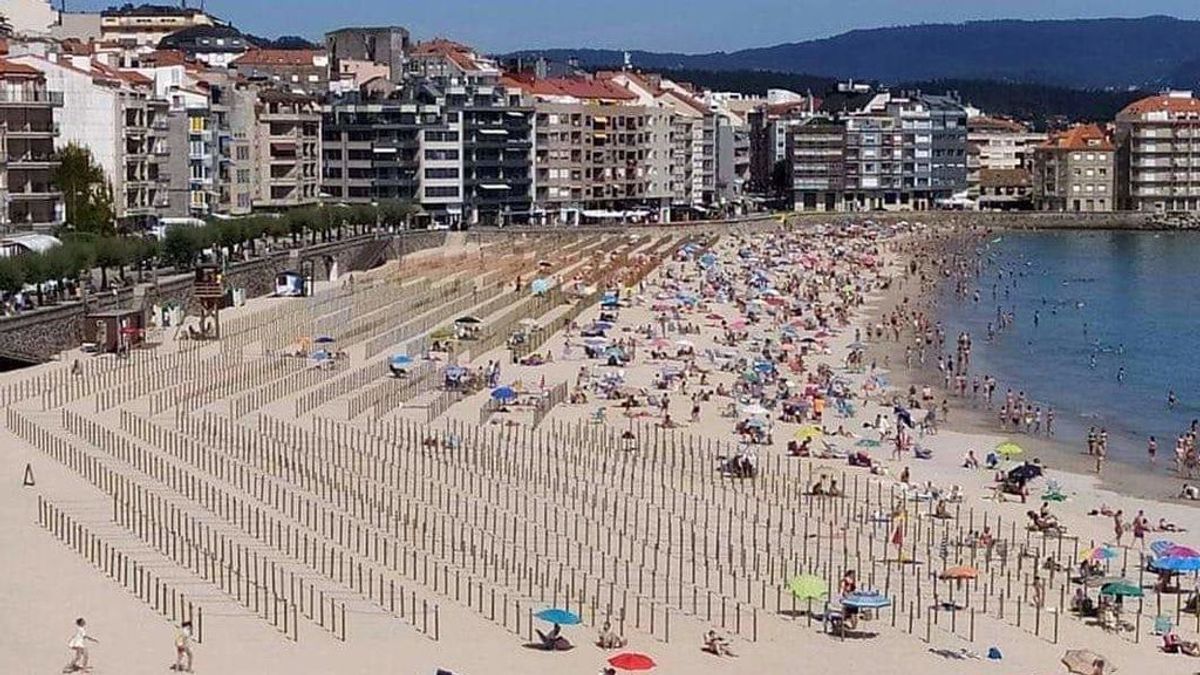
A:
{"points": [[116, 330], [290, 284]]}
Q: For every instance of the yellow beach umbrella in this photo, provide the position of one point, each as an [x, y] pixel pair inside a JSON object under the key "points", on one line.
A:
{"points": [[1009, 449], [808, 587], [809, 432]]}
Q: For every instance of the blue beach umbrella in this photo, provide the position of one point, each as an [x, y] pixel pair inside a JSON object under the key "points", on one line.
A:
{"points": [[401, 360], [1178, 564], [559, 616], [320, 356], [503, 394], [540, 286], [866, 600]]}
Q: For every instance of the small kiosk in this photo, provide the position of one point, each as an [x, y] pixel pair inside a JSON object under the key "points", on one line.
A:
{"points": [[116, 330]]}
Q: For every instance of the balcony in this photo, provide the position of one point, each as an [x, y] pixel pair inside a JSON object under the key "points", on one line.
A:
{"points": [[20, 97], [32, 161], [33, 131], [33, 191]]}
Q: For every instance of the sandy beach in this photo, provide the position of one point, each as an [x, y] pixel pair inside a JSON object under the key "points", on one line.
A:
{"points": [[350, 483]]}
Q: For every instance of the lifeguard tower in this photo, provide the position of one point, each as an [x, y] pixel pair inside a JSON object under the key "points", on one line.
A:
{"points": [[209, 289]]}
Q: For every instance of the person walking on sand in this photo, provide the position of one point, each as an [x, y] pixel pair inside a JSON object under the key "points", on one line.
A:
{"points": [[1039, 591], [78, 647], [183, 648], [1118, 526], [1140, 525]]}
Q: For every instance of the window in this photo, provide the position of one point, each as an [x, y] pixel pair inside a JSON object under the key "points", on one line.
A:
{"points": [[441, 172], [441, 154], [243, 153], [198, 124], [243, 176], [441, 191]]}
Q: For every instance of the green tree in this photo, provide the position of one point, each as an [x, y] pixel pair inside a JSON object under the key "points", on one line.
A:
{"points": [[181, 244], [112, 252], [396, 212], [12, 274], [86, 193]]}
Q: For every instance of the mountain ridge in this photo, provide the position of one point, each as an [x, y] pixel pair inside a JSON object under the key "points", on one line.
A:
{"points": [[1148, 52]]}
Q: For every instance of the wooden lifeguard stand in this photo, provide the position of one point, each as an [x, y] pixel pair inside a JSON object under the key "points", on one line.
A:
{"points": [[209, 289]]}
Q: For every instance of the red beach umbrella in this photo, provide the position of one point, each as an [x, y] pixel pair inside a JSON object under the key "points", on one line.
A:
{"points": [[631, 661]]}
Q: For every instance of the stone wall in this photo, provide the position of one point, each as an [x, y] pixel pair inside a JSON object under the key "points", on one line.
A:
{"points": [[42, 334]]}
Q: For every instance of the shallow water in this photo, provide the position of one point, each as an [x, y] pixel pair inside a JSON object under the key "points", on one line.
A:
{"points": [[1104, 301]]}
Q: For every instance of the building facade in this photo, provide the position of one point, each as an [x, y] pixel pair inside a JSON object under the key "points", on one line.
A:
{"points": [[1075, 171], [384, 45], [28, 132], [146, 25], [1158, 140]]}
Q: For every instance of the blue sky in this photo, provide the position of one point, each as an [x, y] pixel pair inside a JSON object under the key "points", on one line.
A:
{"points": [[656, 25]]}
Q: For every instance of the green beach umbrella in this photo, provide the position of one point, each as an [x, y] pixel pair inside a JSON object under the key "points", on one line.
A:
{"points": [[808, 587], [1122, 589], [1009, 449]]}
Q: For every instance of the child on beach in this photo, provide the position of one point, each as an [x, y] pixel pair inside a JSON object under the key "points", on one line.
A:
{"points": [[78, 647]]}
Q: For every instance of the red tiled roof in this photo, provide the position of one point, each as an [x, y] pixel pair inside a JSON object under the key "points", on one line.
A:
{"points": [[278, 57], [127, 76], [460, 54], [163, 57], [1163, 102], [1080, 137], [577, 87], [10, 69]]}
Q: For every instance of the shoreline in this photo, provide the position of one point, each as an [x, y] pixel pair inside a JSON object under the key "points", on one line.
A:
{"points": [[1119, 476]]}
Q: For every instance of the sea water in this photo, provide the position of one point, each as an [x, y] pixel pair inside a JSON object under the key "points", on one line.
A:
{"points": [[1104, 301]]}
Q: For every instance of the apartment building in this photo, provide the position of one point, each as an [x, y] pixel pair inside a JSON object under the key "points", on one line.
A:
{"points": [[1075, 170], [372, 150], [769, 125], [146, 25], [1158, 164], [288, 137], [301, 71], [816, 152], [691, 139], [597, 154], [905, 152], [1004, 150], [382, 45], [28, 198], [117, 116]]}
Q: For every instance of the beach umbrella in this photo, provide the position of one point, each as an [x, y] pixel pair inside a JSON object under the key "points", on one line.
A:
{"points": [[320, 355], [1098, 553], [688, 344], [1009, 449], [560, 616], [596, 341], [754, 410], [471, 320], [1083, 662], [1122, 589], [401, 360], [1176, 551], [809, 432], [540, 286], [1177, 564], [323, 340], [857, 345], [632, 661], [866, 600], [960, 572], [808, 587], [504, 394]]}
